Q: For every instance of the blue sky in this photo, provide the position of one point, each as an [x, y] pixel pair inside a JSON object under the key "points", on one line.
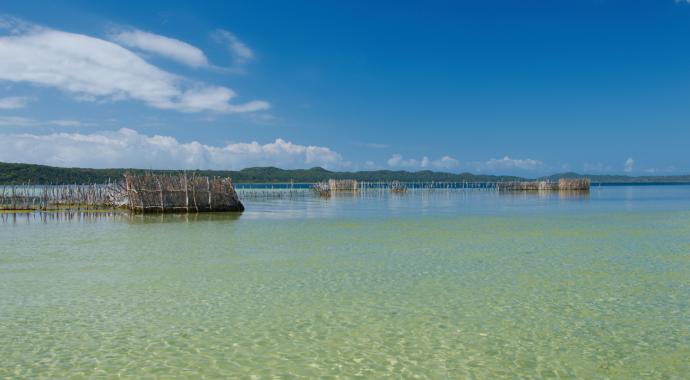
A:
{"points": [[529, 87]]}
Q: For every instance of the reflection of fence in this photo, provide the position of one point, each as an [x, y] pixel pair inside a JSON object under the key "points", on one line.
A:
{"points": [[162, 193]]}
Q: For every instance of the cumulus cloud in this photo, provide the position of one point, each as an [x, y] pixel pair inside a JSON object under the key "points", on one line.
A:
{"points": [[13, 102], [128, 148], [167, 47], [629, 165], [91, 68], [445, 162], [507, 163]]}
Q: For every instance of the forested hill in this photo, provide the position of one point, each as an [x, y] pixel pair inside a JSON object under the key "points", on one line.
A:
{"points": [[40, 174]]}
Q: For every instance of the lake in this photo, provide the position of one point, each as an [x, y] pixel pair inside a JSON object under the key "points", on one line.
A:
{"points": [[429, 284]]}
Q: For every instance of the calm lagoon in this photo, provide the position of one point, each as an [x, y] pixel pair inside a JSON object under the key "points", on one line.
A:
{"points": [[443, 285]]}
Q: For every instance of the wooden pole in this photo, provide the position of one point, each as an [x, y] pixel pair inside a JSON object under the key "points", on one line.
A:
{"points": [[160, 191], [186, 192], [208, 186]]}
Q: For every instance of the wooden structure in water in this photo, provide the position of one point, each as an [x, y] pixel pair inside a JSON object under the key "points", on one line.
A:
{"points": [[353, 186], [336, 185], [333, 186], [147, 192], [59, 197], [563, 184], [150, 192], [579, 184], [398, 188]]}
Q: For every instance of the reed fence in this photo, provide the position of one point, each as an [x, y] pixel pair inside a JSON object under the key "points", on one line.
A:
{"points": [[138, 192], [150, 192]]}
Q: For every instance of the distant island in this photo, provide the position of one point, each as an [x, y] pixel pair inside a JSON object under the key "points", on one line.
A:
{"points": [[14, 173]]}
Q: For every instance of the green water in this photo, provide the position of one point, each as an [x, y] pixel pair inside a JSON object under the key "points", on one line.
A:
{"points": [[403, 287]]}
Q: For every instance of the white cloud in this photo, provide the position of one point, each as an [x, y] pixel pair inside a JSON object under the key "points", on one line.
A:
{"points": [[370, 145], [167, 47], [14, 102], [240, 52], [629, 165], [69, 123], [20, 121], [128, 148], [397, 160], [666, 170], [91, 69], [16, 121], [445, 162], [507, 163]]}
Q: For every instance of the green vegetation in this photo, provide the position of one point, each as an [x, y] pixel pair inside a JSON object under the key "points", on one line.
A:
{"points": [[41, 174]]}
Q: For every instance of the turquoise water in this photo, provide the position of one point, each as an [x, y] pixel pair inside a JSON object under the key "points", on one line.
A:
{"points": [[443, 285]]}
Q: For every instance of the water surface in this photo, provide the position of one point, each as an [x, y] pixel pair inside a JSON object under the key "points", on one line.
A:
{"points": [[428, 284]]}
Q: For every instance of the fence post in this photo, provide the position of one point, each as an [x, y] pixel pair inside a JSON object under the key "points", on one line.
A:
{"points": [[208, 186], [186, 192]]}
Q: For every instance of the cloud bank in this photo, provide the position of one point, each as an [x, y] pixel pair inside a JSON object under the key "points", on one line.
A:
{"points": [[94, 69], [128, 148]]}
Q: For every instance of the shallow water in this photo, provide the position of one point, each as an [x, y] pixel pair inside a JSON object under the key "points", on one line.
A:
{"points": [[431, 285]]}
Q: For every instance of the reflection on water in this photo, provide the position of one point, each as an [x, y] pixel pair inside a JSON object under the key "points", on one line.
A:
{"points": [[183, 217], [78, 216], [546, 194], [431, 285], [58, 216]]}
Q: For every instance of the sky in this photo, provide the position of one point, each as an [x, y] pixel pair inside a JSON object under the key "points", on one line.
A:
{"points": [[494, 87]]}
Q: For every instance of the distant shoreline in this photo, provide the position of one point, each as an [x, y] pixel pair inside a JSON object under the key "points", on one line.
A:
{"points": [[17, 173]]}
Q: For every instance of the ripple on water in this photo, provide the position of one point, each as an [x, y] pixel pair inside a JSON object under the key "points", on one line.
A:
{"points": [[540, 296]]}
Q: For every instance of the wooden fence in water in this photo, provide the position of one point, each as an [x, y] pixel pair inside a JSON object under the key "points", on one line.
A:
{"points": [[137, 192], [55, 197], [325, 189], [182, 193], [164, 193]]}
